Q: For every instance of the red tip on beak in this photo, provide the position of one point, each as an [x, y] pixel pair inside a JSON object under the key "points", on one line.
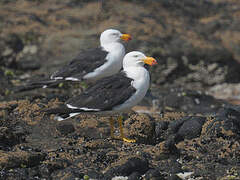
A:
{"points": [[126, 37]]}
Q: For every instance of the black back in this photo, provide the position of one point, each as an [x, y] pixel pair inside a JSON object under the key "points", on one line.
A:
{"points": [[87, 61], [105, 93]]}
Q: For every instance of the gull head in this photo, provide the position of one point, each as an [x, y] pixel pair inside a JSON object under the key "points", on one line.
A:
{"points": [[136, 58], [113, 35]]}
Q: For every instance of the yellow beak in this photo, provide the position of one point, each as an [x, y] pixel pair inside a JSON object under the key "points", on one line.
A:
{"points": [[150, 61], [126, 37]]}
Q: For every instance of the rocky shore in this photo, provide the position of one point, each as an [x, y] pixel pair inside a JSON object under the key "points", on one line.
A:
{"points": [[188, 125]]}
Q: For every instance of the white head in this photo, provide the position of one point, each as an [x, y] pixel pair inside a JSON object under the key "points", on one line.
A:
{"points": [[113, 35], [136, 58]]}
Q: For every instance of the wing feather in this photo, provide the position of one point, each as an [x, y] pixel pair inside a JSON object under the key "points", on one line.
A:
{"points": [[105, 94], [85, 62]]}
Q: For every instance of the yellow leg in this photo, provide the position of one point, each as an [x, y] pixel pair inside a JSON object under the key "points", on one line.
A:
{"points": [[122, 137], [111, 121]]}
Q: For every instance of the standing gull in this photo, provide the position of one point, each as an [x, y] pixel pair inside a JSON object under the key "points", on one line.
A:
{"points": [[91, 64], [114, 94]]}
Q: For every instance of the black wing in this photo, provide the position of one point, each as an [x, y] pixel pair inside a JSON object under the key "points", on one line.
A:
{"points": [[85, 62], [105, 94], [38, 84]]}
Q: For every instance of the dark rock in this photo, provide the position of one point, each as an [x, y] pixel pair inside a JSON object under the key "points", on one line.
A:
{"points": [[189, 101], [15, 42], [153, 174], [5, 84], [230, 111], [134, 176], [173, 177], [73, 172], [20, 173], [69, 173], [130, 166], [43, 170], [175, 167], [164, 150], [184, 64], [10, 46], [20, 159], [11, 137], [191, 127], [232, 121], [93, 174], [160, 127], [57, 164], [103, 158], [169, 144], [188, 127], [171, 167], [227, 124], [65, 128], [28, 65], [98, 144], [187, 7], [174, 126]]}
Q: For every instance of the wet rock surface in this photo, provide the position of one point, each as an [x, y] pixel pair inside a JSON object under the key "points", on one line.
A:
{"points": [[180, 128]]}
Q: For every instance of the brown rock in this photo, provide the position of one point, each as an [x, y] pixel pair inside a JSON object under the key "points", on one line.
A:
{"points": [[162, 150], [20, 159], [141, 127]]}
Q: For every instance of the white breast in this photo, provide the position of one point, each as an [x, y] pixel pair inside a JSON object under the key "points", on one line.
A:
{"points": [[113, 64], [141, 80]]}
